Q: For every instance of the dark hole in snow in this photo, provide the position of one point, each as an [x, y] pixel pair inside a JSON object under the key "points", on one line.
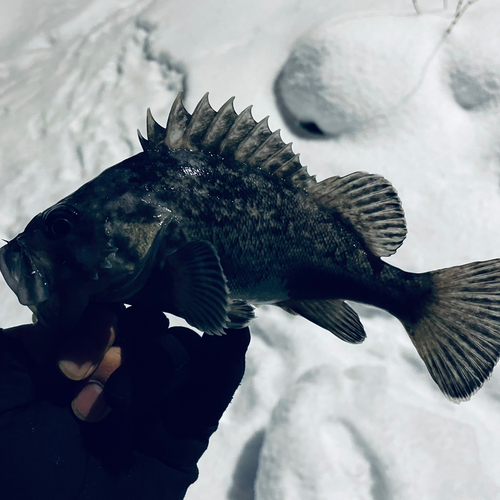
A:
{"points": [[311, 127], [306, 130]]}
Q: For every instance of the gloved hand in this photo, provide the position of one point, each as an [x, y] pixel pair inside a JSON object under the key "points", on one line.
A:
{"points": [[147, 398]]}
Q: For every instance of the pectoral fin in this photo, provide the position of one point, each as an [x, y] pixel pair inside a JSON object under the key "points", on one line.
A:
{"points": [[200, 292], [333, 315]]}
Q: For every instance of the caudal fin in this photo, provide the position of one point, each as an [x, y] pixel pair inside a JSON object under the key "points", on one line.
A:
{"points": [[458, 332]]}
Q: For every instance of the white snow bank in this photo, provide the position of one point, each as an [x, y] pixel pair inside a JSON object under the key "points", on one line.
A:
{"points": [[340, 435]]}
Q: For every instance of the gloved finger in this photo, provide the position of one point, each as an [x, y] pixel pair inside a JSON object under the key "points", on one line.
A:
{"points": [[214, 376], [40, 343], [82, 353], [139, 323], [90, 404], [152, 370], [235, 342], [191, 412], [220, 371]]}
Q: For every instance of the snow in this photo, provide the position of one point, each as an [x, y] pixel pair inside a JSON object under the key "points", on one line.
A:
{"points": [[323, 80], [314, 418]]}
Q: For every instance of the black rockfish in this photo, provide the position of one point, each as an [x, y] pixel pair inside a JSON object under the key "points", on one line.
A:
{"points": [[217, 214]]}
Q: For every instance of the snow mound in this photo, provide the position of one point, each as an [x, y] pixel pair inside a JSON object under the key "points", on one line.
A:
{"points": [[473, 59], [341, 434], [347, 72]]}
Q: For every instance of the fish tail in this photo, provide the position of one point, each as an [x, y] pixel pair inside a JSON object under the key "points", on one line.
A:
{"points": [[457, 329]]}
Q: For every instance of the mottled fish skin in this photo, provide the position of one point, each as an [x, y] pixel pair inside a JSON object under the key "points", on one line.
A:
{"points": [[273, 240], [218, 213]]}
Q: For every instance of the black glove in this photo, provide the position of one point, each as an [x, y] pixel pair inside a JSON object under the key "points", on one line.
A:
{"points": [[166, 400]]}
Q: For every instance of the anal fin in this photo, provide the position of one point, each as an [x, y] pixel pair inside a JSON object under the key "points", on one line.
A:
{"points": [[200, 292], [334, 315]]}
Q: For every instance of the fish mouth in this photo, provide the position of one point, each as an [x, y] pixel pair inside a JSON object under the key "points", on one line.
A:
{"points": [[22, 274]]}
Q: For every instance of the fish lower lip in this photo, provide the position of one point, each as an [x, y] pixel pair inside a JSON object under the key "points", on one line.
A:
{"points": [[9, 270], [22, 275]]}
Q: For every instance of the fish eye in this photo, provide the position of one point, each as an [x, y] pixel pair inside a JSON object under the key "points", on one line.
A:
{"points": [[59, 221]]}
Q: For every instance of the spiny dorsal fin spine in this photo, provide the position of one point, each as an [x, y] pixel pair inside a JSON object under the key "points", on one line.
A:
{"points": [[275, 161], [302, 179], [156, 133], [199, 122], [144, 142], [289, 168], [267, 149], [241, 127], [220, 126], [178, 120], [253, 140]]}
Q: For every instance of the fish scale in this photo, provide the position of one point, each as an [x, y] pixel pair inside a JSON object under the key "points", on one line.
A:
{"points": [[278, 247]]}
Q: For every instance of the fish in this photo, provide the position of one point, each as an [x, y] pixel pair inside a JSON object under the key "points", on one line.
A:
{"points": [[217, 215]]}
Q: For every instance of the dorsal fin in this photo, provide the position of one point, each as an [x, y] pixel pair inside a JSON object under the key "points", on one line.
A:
{"points": [[220, 126], [369, 204], [178, 120], [366, 202], [156, 133], [233, 136], [199, 122], [241, 127]]}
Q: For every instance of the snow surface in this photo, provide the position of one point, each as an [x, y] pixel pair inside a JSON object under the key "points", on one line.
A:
{"points": [[314, 418]]}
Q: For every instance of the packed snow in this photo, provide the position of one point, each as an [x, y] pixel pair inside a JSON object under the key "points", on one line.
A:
{"points": [[357, 85]]}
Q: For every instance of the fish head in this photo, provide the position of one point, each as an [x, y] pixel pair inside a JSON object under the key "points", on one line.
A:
{"points": [[41, 266], [86, 247]]}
